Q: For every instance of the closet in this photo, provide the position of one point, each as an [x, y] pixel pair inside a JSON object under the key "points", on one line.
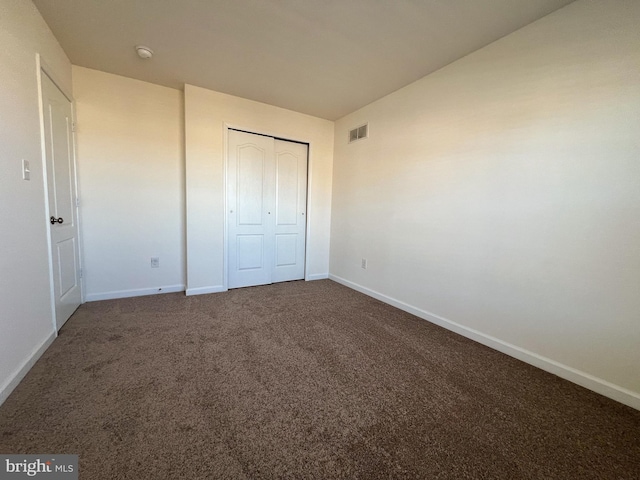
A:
{"points": [[267, 207]]}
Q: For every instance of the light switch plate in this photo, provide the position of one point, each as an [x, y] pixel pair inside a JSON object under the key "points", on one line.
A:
{"points": [[26, 172]]}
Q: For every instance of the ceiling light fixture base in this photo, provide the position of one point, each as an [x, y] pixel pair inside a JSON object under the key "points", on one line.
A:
{"points": [[144, 52]]}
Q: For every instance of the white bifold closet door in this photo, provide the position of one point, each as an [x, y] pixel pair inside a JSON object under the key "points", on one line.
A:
{"points": [[267, 204]]}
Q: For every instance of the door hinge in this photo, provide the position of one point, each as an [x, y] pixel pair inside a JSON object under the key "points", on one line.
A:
{"points": [[73, 126], [80, 273], [77, 202]]}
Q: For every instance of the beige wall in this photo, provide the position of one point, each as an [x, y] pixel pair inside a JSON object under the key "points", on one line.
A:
{"points": [[206, 113], [26, 318], [131, 170], [500, 196]]}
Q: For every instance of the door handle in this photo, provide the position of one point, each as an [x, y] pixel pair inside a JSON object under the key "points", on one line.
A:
{"points": [[55, 220]]}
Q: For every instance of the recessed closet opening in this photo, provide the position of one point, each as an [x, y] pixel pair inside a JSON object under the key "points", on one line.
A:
{"points": [[266, 209]]}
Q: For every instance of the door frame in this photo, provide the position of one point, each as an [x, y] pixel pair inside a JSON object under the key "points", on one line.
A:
{"points": [[42, 68], [225, 244]]}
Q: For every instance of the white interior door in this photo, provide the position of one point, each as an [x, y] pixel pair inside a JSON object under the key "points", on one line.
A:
{"points": [[61, 183], [267, 191], [250, 181], [290, 210]]}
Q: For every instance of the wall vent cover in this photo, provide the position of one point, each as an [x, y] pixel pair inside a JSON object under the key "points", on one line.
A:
{"points": [[359, 133]]}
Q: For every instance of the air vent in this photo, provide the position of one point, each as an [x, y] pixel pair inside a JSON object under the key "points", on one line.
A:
{"points": [[359, 133]]}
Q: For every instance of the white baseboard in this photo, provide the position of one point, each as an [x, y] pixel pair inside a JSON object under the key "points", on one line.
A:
{"points": [[598, 385], [22, 371], [139, 292], [205, 290], [316, 276]]}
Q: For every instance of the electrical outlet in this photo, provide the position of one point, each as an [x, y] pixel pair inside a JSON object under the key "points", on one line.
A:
{"points": [[364, 263], [155, 262]]}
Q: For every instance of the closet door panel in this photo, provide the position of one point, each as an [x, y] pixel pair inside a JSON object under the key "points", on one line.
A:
{"points": [[250, 191]]}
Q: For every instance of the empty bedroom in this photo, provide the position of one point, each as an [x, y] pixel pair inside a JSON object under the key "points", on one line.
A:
{"points": [[261, 239]]}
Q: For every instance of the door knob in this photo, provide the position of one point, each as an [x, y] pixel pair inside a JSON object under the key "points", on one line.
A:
{"points": [[55, 220]]}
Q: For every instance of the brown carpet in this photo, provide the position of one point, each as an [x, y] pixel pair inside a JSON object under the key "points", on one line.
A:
{"points": [[303, 380]]}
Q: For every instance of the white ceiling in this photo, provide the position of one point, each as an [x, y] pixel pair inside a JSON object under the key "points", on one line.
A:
{"points": [[322, 57]]}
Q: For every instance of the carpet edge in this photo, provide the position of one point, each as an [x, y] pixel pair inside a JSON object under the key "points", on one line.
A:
{"points": [[138, 292], [586, 380], [14, 380]]}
